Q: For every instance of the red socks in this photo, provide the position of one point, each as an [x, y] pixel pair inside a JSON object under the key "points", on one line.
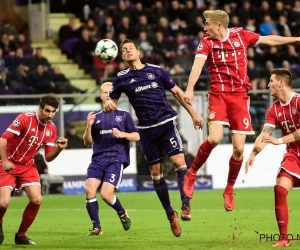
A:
{"points": [[29, 215], [281, 209], [201, 157], [234, 169]]}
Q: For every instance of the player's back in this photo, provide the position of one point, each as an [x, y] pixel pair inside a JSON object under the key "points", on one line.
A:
{"points": [[227, 59]]}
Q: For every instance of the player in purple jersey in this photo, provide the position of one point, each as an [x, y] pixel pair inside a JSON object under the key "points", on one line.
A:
{"points": [[145, 86], [110, 133]]}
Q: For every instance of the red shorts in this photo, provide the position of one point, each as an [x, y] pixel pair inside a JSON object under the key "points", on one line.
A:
{"points": [[290, 168], [21, 176], [230, 109]]}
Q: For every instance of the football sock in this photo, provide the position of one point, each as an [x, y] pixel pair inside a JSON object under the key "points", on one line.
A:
{"points": [[234, 169], [92, 208], [201, 157], [116, 205], [2, 212], [281, 209], [29, 215], [162, 192], [180, 175]]}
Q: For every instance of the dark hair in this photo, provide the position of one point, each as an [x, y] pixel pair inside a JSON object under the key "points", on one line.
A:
{"points": [[283, 74], [127, 41], [50, 99]]}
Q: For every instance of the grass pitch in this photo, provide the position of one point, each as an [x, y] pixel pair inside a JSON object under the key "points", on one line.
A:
{"points": [[63, 222]]}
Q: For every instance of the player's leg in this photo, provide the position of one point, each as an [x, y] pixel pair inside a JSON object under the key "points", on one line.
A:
{"points": [[33, 191], [215, 136], [235, 164], [240, 126], [92, 206], [112, 179], [283, 184], [92, 183]]}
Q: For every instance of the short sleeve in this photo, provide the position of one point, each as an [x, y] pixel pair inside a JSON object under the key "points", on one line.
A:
{"points": [[117, 89]]}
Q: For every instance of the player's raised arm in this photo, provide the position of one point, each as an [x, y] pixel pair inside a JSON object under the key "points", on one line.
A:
{"points": [[87, 136], [179, 95], [193, 78], [274, 40], [258, 146], [111, 105]]}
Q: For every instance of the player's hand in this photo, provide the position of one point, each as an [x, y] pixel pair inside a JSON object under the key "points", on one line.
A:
{"points": [[270, 139], [188, 96], [198, 122], [249, 162], [117, 133], [8, 166], [110, 106], [62, 142], [90, 119]]}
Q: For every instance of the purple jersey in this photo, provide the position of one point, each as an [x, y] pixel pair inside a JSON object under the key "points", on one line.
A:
{"points": [[107, 148], [145, 89]]}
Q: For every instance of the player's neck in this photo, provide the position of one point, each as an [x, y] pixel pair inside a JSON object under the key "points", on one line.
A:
{"points": [[223, 34], [285, 96], [136, 65]]}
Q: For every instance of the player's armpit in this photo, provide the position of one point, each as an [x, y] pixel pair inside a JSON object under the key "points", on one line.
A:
{"points": [[268, 130]]}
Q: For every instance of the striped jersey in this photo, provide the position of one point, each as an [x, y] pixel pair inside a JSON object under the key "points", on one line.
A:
{"points": [[29, 136], [145, 89], [227, 59], [287, 117], [107, 148]]}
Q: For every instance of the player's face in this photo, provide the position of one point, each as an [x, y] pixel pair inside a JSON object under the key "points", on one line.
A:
{"points": [[46, 114], [211, 29], [275, 85], [105, 93], [129, 52]]}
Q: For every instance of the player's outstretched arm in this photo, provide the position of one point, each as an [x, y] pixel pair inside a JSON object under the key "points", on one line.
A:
{"points": [[61, 143], [179, 95], [293, 137], [274, 40], [87, 135], [258, 146], [110, 105], [193, 78]]}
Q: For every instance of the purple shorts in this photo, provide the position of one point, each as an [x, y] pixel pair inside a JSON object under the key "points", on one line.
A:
{"points": [[157, 140], [111, 172]]}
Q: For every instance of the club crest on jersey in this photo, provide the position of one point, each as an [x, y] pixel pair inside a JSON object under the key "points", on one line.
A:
{"points": [[236, 43], [48, 133], [118, 118], [294, 110], [150, 76], [211, 114], [16, 123], [154, 85], [200, 47]]}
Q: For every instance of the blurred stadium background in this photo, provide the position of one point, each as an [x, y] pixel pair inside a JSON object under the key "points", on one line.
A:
{"points": [[47, 46]]}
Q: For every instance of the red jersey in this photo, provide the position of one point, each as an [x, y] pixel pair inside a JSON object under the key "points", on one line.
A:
{"points": [[227, 60], [29, 136], [287, 117]]}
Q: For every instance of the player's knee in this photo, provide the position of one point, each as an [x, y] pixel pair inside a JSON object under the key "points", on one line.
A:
{"points": [[107, 197], [214, 140], [36, 200], [238, 152], [4, 202]]}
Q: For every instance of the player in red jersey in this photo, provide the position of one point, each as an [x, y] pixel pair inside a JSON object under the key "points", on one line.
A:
{"points": [[285, 113], [225, 51], [18, 146]]}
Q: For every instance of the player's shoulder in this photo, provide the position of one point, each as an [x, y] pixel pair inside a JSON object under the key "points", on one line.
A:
{"points": [[123, 72], [153, 65], [122, 111], [26, 115], [296, 95], [236, 29]]}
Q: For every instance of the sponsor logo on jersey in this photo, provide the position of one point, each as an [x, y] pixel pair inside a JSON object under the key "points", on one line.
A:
{"points": [[118, 118], [102, 132], [150, 76], [154, 85], [141, 88], [16, 123]]}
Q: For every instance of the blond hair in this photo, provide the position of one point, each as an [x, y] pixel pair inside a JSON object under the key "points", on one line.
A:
{"points": [[217, 16], [283, 74], [105, 84]]}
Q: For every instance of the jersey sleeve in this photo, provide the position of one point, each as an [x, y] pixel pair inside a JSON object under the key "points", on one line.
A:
{"points": [[117, 89], [50, 145], [15, 127], [251, 37], [167, 81], [130, 125], [271, 117], [203, 48]]}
